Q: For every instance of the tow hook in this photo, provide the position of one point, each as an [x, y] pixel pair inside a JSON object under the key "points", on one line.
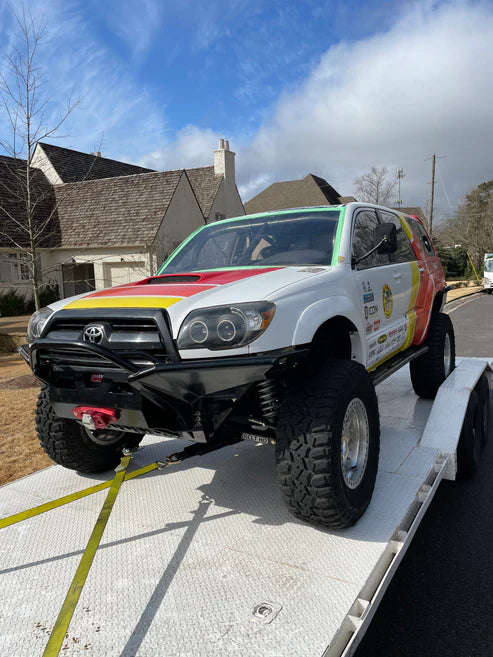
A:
{"points": [[95, 418]]}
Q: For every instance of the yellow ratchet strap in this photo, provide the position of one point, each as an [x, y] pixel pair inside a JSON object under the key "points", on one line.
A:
{"points": [[57, 637], [42, 508]]}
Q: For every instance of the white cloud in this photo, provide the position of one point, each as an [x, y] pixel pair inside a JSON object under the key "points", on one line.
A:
{"points": [[394, 99], [116, 114], [134, 22]]}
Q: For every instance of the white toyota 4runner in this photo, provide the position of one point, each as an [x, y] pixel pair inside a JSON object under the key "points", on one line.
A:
{"points": [[272, 327]]}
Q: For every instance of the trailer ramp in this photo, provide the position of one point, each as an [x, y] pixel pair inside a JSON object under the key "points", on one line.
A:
{"points": [[203, 558]]}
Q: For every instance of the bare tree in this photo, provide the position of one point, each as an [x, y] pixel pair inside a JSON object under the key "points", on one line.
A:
{"points": [[472, 225], [26, 211], [374, 186]]}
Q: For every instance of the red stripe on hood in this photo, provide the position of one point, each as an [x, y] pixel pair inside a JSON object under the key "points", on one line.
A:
{"points": [[221, 277], [205, 281]]}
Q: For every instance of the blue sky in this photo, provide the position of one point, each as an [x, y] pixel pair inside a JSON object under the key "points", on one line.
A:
{"points": [[328, 87]]}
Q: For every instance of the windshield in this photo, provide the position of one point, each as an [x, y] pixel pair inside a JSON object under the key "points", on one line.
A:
{"points": [[298, 238], [488, 266]]}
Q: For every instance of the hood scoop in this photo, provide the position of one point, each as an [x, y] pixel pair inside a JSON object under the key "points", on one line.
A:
{"points": [[171, 279]]}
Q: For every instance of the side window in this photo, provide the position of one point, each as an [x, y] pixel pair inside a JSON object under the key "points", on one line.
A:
{"points": [[363, 240], [422, 236], [404, 251]]}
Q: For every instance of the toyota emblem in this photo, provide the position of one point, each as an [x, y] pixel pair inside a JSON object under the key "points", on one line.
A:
{"points": [[94, 334]]}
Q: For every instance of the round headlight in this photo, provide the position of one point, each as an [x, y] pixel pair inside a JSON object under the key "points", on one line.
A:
{"points": [[198, 331], [226, 330]]}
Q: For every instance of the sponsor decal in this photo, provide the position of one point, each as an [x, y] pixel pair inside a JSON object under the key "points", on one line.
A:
{"points": [[376, 325], [369, 328], [372, 344], [96, 378], [370, 311], [382, 338], [388, 302], [392, 333], [368, 298], [371, 353]]}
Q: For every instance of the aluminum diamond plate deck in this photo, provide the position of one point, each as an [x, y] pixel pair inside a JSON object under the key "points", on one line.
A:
{"points": [[189, 552]]}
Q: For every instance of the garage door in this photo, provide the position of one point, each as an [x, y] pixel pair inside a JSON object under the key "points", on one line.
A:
{"points": [[119, 273]]}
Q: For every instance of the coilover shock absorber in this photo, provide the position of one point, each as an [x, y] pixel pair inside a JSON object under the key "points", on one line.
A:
{"points": [[268, 394]]}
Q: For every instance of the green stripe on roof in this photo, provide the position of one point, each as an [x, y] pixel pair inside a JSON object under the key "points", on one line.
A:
{"points": [[337, 241], [321, 208]]}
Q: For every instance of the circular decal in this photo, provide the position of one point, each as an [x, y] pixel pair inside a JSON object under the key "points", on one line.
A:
{"points": [[387, 301]]}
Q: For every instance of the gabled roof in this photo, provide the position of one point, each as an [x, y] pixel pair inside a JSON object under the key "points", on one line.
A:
{"points": [[114, 211], [205, 184], [74, 166], [311, 190], [13, 216]]}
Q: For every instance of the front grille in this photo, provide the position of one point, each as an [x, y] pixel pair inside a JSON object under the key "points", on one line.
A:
{"points": [[117, 325], [81, 358], [136, 339]]}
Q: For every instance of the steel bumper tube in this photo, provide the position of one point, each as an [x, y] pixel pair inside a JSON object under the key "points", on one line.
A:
{"points": [[185, 380]]}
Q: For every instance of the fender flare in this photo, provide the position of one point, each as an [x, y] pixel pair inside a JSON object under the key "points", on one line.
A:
{"points": [[318, 313]]}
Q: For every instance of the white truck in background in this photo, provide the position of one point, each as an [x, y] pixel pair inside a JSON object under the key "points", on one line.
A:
{"points": [[488, 272]]}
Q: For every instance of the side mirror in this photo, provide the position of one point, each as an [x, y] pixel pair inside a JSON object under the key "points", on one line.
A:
{"points": [[385, 238]]}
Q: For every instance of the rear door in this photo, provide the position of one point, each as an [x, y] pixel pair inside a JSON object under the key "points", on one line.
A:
{"points": [[404, 283]]}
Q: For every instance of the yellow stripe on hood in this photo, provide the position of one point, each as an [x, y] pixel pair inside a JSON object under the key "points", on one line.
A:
{"points": [[123, 302]]}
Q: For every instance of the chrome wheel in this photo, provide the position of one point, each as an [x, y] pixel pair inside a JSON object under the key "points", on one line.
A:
{"points": [[355, 443], [447, 355]]}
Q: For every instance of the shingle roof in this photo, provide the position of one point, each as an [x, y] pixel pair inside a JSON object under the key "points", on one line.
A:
{"points": [[114, 211], [205, 184], [311, 190], [13, 204], [74, 166]]}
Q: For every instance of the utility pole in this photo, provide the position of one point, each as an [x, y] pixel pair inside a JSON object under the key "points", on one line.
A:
{"points": [[399, 175], [432, 196]]}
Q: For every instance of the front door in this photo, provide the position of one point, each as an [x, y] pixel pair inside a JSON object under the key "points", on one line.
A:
{"points": [[384, 286]]}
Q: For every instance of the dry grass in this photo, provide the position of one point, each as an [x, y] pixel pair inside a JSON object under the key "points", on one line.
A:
{"points": [[20, 453]]}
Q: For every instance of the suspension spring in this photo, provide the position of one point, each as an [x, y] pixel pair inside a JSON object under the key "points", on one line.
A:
{"points": [[268, 394]]}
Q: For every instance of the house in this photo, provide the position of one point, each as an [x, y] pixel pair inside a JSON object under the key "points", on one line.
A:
{"points": [[311, 190], [107, 222]]}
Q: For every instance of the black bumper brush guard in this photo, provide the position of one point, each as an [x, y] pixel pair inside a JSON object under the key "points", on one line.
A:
{"points": [[171, 398]]}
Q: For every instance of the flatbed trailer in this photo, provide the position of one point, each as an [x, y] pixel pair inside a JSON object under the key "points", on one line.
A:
{"points": [[204, 559]]}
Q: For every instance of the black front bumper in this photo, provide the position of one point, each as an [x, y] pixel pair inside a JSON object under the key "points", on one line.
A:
{"points": [[183, 391]]}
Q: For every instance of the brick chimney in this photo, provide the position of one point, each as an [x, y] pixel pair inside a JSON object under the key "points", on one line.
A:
{"points": [[224, 161]]}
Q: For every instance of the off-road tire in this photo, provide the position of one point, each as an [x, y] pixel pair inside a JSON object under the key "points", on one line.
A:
{"points": [[67, 442], [469, 447], [428, 371], [309, 443]]}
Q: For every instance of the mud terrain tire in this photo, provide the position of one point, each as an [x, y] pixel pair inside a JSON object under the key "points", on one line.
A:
{"points": [[324, 406], [68, 443], [430, 370]]}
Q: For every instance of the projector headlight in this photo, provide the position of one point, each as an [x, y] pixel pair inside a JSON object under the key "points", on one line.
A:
{"points": [[37, 322], [225, 327]]}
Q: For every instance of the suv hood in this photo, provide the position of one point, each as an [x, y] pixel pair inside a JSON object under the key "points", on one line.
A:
{"points": [[181, 293]]}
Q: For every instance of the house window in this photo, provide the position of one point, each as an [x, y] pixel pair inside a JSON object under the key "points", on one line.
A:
{"points": [[219, 216], [14, 267], [77, 278]]}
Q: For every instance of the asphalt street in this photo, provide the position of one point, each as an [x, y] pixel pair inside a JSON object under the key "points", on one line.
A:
{"points": [[440, 602]]}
